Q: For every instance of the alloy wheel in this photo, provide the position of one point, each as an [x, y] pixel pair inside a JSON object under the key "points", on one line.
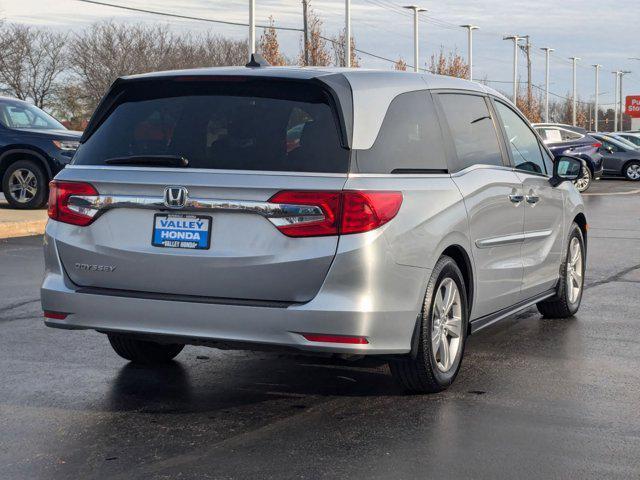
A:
{"points": [[23, 185], [447, 325], [633, 171], [583, 182], [574, 270]]}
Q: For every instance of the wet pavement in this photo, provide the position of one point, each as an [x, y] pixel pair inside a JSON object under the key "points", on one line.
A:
{"points": [[535, 398]]}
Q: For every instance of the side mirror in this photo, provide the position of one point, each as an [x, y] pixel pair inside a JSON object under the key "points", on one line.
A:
{"points": [[566, 169], [607, 149]]}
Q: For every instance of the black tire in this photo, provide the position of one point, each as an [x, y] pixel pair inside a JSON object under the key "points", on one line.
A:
{"points": [[38, 181], [630, 170], [142, 351], [561, 305], [584, 182], [419, 373]]}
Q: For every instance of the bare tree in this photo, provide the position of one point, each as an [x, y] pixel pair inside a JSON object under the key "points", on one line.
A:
{"points": [[30, 62], [107, 51], [337, 43], [269, 45], [452, 64], [400, 64], [317, 46]]}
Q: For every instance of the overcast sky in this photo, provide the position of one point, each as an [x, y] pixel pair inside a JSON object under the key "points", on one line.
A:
{"points": [[597, 31]]}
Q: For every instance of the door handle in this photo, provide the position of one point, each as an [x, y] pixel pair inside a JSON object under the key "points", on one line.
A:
{"points": [[532, 199], [516, 198]]}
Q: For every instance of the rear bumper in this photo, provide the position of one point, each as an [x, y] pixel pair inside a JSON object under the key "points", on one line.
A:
{"points": [[381, 304]]}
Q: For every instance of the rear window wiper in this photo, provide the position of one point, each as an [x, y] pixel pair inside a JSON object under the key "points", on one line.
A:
{"points": [[150, 160]]}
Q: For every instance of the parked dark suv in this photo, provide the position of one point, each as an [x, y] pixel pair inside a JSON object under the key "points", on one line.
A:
{"points": [[33, 148], [575, 141]]}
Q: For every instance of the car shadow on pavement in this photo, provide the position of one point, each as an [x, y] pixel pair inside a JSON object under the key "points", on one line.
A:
{"points": [[184, 388]]}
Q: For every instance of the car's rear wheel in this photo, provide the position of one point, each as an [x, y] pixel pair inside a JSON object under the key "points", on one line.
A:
{"points": [[25, 185], [584, 182], [632, 170], [441, 336], [143, 351], [567, 301]]}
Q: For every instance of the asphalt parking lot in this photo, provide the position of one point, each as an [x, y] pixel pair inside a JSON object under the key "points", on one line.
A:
{"points": [[535, 398]]}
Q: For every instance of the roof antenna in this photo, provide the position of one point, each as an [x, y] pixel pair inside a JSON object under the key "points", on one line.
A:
{"points": [[257, 61]]}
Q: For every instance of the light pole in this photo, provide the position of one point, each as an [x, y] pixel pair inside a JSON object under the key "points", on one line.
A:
{"points": [[470, 29], [622, 74], [547, 51], [575, 91], [515, 39], [416, 11], [252, 27], [347, 33], [597, 96], [615, 111]]}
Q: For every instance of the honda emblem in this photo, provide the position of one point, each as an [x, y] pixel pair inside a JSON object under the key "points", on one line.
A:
{"points": [[175, 197]]}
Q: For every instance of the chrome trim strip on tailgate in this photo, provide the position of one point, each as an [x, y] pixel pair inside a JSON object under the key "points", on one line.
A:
{"points": [[279, 214]]}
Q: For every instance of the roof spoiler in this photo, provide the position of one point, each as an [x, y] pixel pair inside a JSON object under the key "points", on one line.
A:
{"points": [[257, 61]]}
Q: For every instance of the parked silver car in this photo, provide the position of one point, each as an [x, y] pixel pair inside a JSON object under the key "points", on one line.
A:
{"points": [[327, 210]]}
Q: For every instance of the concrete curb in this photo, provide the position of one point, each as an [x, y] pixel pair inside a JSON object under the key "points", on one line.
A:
{"points": [[22, 229]]}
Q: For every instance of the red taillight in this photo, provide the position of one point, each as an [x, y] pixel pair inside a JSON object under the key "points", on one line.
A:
{"points": [[55, 315], [59, 208], [329, 202], [345, 212], [597, 145], [364, 211], [322, 338]]}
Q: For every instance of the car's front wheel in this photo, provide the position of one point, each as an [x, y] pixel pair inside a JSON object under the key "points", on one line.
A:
{"points": [[25, 185], [143, 351], [632, 170], [571, 283], [584, 182], [441, 336]]}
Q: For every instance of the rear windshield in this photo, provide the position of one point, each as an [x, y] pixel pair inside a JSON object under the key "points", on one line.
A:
{"points": [[240, 125]]}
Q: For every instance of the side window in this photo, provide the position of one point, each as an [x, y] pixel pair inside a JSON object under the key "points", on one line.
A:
{"points": [[474, 135], [409, 139], [525, 149], [611, 145], [567, 135]]}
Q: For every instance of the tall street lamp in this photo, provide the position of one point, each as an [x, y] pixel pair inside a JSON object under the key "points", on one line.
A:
{"points": [[470, 29], [416, 10]]}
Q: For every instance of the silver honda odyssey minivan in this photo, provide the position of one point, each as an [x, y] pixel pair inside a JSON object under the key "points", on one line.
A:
{"points": [[326, 210]]}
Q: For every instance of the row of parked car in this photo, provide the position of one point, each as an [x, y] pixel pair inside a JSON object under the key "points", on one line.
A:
{"points": [[34, 147], [605, 154]]}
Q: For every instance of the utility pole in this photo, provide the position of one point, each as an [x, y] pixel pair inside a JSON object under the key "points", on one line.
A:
{"points": [[470, 29], [547, 51], [597, 96], [527, 50], [615, 111], [347, 33], [622, 74], [515, 39], [575, 91], [416, 57], [305, 29], [252, 27]]}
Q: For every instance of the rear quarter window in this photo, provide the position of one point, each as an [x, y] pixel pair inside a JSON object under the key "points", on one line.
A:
{"points": [[409, 139], [242, 125]]}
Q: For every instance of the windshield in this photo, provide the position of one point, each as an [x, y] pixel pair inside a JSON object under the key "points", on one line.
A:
{"points": [[242, 125], [22, 115]]}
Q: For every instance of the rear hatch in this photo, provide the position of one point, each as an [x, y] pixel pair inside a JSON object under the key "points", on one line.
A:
{"points": [[184, 170]]}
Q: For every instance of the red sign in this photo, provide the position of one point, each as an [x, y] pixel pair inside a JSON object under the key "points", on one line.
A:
{"points": [[632, 107]]}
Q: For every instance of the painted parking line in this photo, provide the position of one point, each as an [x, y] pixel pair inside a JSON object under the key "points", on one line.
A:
{"points": [[630, 192]]}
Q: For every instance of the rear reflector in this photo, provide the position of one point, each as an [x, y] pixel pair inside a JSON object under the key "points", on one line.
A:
{"points": [[59, 208], [55, 315], [321, 338], [343, 212]]}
